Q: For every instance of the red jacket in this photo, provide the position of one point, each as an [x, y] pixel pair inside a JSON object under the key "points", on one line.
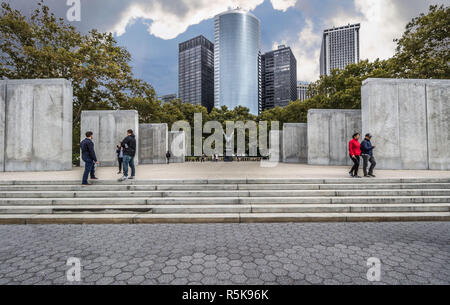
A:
{"points": [[354, 147]]}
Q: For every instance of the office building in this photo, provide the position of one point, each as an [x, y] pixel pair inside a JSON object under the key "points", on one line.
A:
{"points": [[302, 91], [196, 72], [340, 47], [279, 78], [237, 66], [168, 97]]}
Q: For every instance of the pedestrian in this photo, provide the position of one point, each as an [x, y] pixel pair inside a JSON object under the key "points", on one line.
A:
{"points": [[354, 148], [367, 156], [203, 158], [168, 155], [89, 157], [119, 152], [129, 151]]}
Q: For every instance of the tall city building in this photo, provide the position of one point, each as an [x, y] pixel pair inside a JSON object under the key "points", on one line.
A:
{"points": [[237, 74], [340, 47], [302, 91], [196, 72], [279, 78], [168, 97]]}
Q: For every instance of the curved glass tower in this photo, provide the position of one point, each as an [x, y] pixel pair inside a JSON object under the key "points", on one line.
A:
{"points": [[237, 73]]}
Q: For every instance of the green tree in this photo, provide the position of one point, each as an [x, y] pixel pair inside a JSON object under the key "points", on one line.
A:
{"points": [[424, 49]]}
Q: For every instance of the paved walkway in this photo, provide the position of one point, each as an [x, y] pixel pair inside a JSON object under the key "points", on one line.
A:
{"points": [[192, 170], [325, 253]]}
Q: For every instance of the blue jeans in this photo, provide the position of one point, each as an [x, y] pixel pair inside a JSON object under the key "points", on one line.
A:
{"points": [[88, 168], [128, 160]]}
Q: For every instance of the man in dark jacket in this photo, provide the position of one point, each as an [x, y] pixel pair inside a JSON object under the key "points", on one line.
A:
{"points": [[89, 157], [367, 155], [129, 151]]}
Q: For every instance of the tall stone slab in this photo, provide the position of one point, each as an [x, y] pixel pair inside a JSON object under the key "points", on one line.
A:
{"points": [[329, 131], [109, 128], [276, 146], [295, 144], [177, 146], [409, 122], [153, 144], [37, 120], [2, 124]]}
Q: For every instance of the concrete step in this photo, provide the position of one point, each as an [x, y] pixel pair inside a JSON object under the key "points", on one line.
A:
{"points": [[223, 200], [236, 208], [218, 187], [230, 193], [234, 181], [219, 218]]}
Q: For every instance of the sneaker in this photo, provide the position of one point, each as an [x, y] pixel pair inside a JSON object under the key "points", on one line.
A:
{"points": [[356, 176], [118, 173], [132, 177], [366, 176], [351, 175], [94, 178], [122, 179], [86, 183], [372, 175]]}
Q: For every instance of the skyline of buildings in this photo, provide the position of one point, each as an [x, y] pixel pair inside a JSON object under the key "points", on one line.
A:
{"points": [[279, 78], [340, 47], [233, 72]]}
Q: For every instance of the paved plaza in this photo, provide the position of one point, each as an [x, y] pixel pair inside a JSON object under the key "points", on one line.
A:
{"points": [[221, 170], [309, 253]]}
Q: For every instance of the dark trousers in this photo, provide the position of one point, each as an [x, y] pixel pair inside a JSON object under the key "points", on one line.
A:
{"points": [[366, 160], [120, 163], [88, 168], [355, 167], [168, 160]]}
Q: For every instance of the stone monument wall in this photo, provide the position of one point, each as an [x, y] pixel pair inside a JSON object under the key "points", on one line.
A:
{"points": [[295, 149], [153, 143]]}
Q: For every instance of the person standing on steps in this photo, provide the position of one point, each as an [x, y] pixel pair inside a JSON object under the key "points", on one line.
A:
{"points": [[129, 151], [367, 156], [354, 149], [168, 155], [89, 157], [119, 152]]}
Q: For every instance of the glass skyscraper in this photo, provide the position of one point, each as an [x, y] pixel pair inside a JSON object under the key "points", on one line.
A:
{"points": [[237, 60], [196, 72]]}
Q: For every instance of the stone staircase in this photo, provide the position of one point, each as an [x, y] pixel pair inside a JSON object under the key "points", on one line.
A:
{"points": [[225, 200]]}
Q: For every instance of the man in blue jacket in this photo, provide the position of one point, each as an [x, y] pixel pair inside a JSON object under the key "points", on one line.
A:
{"points": [[367, 155], [89, 157]]}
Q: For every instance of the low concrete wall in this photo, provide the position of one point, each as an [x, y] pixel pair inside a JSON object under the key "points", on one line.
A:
{"points": [[153, 143], [295, 149], [177, 146], [409, 120], [329, 131], [276, 146], [109, 128], [36, 125]]}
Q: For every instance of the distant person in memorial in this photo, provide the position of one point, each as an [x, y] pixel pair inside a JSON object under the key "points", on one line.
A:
{"points": [[129, 151], [119, 152], [89, 157], [354, 149], [168, 155], [367, 156]]}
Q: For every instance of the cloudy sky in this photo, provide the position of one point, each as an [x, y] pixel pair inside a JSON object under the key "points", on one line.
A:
{"points": [[152, 29]]}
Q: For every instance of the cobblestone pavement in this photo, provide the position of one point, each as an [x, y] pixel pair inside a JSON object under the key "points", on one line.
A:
{"points": [[314, 253]]}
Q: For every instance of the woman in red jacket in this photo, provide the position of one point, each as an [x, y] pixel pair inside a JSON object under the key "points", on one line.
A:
{"points": [[354, 150]]}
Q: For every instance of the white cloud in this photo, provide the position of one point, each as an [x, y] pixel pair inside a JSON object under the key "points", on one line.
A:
{"points": [[167, 24], [282, 5]]}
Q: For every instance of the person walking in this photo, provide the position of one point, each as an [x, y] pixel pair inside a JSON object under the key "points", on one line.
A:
{"points": [[119, 152], [129, 151], [89, 157], [168, 155], [367, 156], [354, 149]]}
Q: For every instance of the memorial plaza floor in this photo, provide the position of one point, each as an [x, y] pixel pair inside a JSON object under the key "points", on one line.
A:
{"points": [[217, 170]]}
